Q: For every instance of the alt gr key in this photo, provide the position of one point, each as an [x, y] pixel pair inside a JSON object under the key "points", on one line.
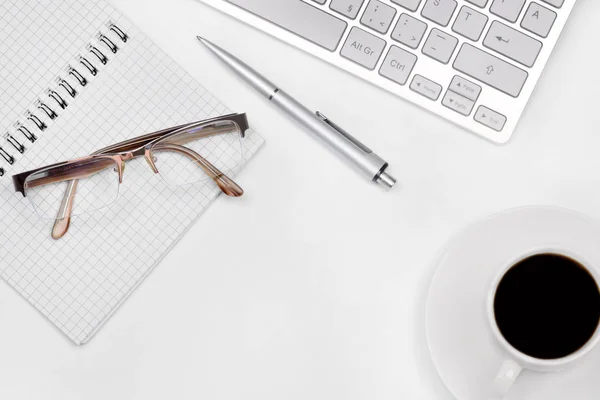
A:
{"points": [[363, 48]]}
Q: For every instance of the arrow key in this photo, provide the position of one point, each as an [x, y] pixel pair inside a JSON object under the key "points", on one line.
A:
{"points": [[409, 31], [426, 87], [490, 118], [458, 103], [465, 88]]}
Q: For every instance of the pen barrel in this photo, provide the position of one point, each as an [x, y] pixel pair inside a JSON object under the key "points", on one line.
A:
{"points": [[347, 147]]}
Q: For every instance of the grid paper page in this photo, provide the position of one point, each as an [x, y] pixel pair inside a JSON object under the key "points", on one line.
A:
{"points": [[77, 282]]}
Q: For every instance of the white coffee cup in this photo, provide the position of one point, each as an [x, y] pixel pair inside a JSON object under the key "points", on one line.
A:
{"points": [[515, 361]]}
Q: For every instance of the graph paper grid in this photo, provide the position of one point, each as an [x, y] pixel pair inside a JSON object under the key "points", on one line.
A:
{"points": [[77, 282]]}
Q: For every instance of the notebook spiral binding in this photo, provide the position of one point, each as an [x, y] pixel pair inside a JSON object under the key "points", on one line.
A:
{"points": [[56, 100]]}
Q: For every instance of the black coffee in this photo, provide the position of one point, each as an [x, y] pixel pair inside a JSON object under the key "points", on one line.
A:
{"points": [[547, 306]]}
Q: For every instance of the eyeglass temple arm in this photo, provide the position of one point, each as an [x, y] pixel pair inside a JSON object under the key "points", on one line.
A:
{"points": [[64, 176], [63, 217], [226, 184], [63, 220]]}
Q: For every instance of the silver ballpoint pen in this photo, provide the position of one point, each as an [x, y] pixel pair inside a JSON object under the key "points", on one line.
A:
{"points": [[367, 162]]}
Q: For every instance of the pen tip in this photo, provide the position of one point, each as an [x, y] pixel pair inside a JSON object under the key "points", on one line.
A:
{"points": [[200, 38], [386, 180]]}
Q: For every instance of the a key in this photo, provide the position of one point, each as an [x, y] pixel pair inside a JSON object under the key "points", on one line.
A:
{"points": [[458, 103], [348, 8], [490, 70], [409, 31], [378, 16], [465, 88], [440, 46], [398, 65], [555, 3], [320, 1], [512, 44], [507, 9], [439, 11], [363, 48], [470, 23], [292, 16], [479, 3], [426, 87], [538, 20], [411, 5], [490, 118]]}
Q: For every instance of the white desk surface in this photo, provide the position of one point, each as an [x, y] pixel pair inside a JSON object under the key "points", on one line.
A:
{"points": [[315, 280]]}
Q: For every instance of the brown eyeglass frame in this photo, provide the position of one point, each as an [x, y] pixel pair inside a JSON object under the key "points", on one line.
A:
{"points": [[130, 149]]}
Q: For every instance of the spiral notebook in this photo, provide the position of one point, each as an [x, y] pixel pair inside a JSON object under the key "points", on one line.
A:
{"points": [[77, 76]]}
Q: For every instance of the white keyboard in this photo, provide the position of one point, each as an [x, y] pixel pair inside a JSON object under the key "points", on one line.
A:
{"points": [[473, 62]]}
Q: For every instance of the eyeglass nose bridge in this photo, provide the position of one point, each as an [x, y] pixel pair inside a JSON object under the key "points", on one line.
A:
{"points": [[121, 163], [150, 159]]}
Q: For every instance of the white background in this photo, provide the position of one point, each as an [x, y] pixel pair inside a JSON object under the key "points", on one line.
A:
{"points": [[313, 284]]}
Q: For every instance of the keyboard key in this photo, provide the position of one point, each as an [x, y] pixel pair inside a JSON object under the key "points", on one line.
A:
{"points": [[320, 1], [538, 20], [490, 70], [555, 3], [398, 65], [439, 11], [378, 16], [507, 9], [470, 23], [440, 46], [292, 16], [490, 118], [465, 88], [426, 87], [363, 48], [479, 3], [513, 44], [458, 103], [409, 31], [411, 5], [348, 8]]}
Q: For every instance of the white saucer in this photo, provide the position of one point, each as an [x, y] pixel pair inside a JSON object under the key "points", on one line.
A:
{"points": [[458, 333]]}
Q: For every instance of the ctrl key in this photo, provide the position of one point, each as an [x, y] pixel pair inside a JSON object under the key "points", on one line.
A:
{"points": [[398, 65], [490, 118]]}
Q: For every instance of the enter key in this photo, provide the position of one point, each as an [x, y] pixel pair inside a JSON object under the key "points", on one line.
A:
{"points": [[513, 44]]}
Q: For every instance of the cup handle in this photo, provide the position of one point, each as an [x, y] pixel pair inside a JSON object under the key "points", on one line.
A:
{"points": [[505, 379]]}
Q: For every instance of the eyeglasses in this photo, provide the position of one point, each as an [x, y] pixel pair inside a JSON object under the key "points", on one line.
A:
{"points": [[182, 155]]}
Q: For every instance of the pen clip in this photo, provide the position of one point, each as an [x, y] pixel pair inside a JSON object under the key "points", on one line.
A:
{"points": [[343, 132]]}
